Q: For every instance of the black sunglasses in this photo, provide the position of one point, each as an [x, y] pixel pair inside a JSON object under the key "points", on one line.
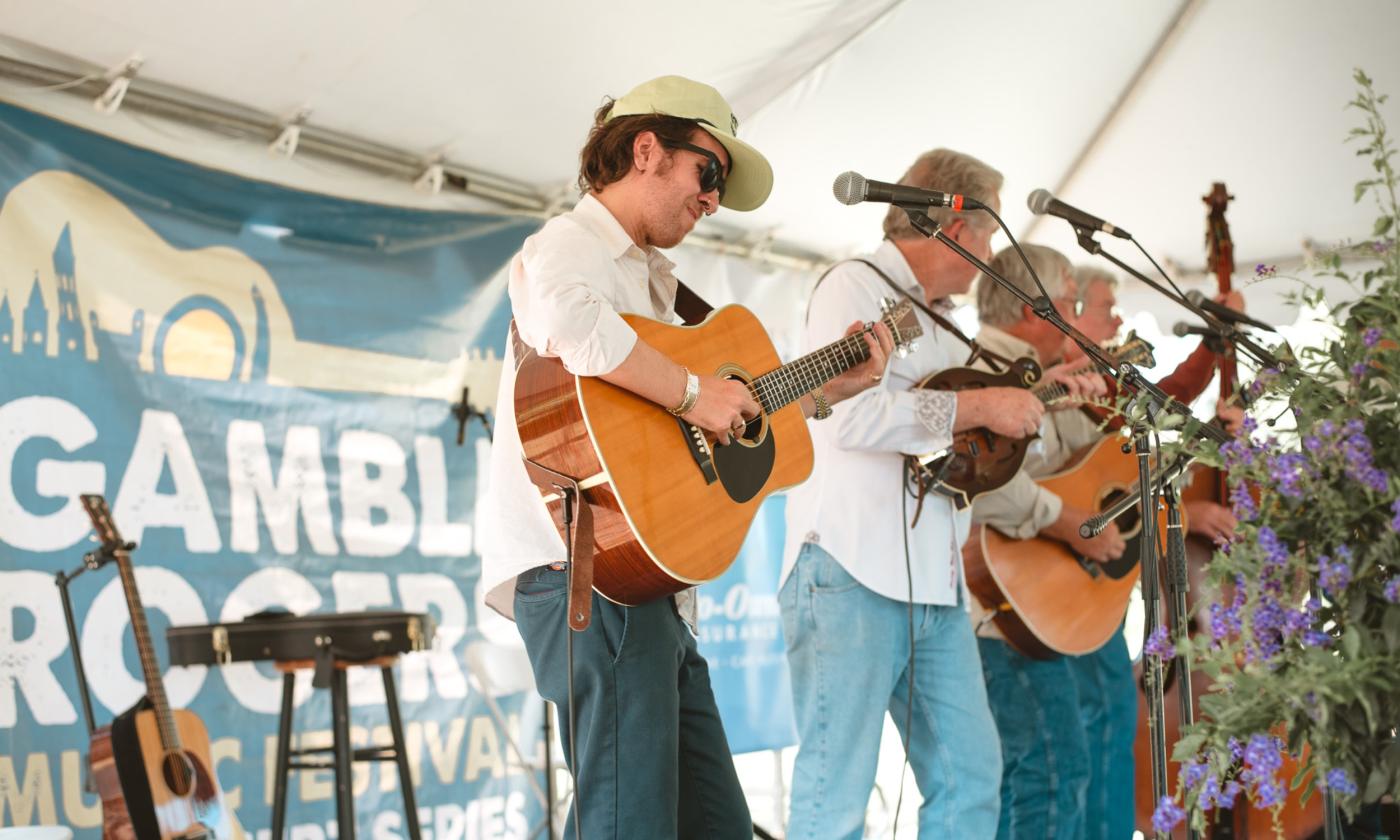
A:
{"points": [[712, 176]]}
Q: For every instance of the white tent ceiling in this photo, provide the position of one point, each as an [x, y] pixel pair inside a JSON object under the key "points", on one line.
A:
{"points": [[1129, 110]]}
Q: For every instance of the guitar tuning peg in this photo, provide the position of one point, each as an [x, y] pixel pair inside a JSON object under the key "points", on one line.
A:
{"points": [[903, 350]]}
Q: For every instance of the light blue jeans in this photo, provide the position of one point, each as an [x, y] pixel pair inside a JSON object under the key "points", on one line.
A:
{"points": [[1045, 757], [848, 653], [1108, 707]]}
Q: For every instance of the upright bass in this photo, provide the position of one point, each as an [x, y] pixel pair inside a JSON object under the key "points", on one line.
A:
{"points": [[1210, 484]]}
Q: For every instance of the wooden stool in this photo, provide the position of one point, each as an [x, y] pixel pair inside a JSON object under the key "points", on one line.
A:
{"points": [[342, 753]]}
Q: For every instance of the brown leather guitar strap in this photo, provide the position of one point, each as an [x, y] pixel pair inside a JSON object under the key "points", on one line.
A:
{"points": [[580, 547], [691, 307]]}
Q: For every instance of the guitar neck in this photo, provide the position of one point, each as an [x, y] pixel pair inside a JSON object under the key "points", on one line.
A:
{"points": [[150, 668], [786, 384]]}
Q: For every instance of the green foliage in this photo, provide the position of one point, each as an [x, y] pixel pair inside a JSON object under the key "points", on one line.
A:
{"points": [[1304, 633]]}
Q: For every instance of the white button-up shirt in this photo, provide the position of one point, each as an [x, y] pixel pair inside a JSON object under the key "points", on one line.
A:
{"points": [[567, 287], [853, 505]]}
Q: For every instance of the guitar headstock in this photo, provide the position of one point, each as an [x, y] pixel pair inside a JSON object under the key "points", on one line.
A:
{"points": [[903, 325], [1134, 350], [105, 530]]}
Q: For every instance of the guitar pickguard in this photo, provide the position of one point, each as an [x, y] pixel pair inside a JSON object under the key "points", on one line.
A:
{"points": [[743, 470]]}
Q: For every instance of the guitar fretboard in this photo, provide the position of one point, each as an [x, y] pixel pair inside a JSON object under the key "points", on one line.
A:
{"points": [[150, 669], [783, 385]]}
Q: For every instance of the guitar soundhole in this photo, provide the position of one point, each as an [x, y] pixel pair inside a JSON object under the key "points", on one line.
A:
{"points": [[1130, 522], [1130, 528], [178, 773]]}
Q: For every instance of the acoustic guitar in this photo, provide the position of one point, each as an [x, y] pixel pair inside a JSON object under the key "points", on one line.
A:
{"points": [[980, 460], [152, 766], [1045, 599], [670, 508]]}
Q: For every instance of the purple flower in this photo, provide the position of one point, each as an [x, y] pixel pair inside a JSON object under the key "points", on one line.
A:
{"points": [[1244, 508], [1264, 754], [1238, 452], [1159, 645], [1263, 271], [1358, 370], [1316, 638], [1168, 815], [1210, 793], [1268, 795], [1392, 589], [1371, 337], [1236, 749], [1275, 549], [1395, 514], [1338, 780], [1334, 576], [1224, 622], [1226, 799], [1193, 773]]}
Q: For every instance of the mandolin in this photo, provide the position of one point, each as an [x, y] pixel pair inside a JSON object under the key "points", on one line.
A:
{"points": [[980, 460], [152, 766]]}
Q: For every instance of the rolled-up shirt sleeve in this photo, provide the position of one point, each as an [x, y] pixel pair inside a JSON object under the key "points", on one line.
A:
{"points": [[888, 417], [560, 312], [1020, 508]]}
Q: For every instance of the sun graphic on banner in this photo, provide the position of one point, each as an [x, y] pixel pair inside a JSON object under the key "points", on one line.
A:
{"points": [[200, 344]]}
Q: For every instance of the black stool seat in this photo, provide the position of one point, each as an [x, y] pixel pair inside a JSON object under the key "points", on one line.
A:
{"points": [[341, 753]]}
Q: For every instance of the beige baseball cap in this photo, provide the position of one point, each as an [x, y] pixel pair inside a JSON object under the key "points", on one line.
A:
{"points": [[750, 176]]}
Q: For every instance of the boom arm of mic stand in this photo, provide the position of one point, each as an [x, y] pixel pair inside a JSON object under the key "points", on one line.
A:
{"points": [[1226, 331], [1094, 525]]}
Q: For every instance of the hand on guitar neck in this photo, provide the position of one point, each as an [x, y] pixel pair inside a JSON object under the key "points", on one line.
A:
{"points": [[1079, 381], [724, 406], [1105, 548]]}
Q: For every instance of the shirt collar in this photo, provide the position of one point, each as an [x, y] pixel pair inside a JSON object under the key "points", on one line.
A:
{"points": [[891, 260], [1004, 343], [595, 216]]}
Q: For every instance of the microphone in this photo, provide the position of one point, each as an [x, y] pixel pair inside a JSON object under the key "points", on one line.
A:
{"points": [[853, 188], [1042, 202], [1184, 329], [1223, 312]]}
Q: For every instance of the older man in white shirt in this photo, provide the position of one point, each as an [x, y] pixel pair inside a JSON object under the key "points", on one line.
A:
{"points": [[874, 612]]}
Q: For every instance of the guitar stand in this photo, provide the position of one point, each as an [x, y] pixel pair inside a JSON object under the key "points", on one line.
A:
{"points": [[92, 561]]}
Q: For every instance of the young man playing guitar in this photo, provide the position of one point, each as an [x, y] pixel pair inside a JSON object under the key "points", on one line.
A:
{"points": [[859, 584], [651, 757]]}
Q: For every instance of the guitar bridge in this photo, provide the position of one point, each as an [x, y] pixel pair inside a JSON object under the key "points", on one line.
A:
{"points": [[699, 450]]}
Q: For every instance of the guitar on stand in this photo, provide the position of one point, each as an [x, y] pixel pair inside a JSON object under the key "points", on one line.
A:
{"points": [[152, 766]]}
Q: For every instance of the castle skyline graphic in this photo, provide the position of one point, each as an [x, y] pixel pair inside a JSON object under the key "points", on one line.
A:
{"points": [[207, 313]]}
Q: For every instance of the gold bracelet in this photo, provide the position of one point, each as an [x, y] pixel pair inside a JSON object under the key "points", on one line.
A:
{"points": [[823, 407], [692, 394]]}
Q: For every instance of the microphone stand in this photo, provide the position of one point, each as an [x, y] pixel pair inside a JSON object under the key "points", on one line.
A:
{"points": [[1226, 331], [1154, 401]]}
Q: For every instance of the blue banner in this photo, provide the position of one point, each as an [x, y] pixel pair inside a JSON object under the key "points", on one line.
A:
{"points": [[259, 381]]}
